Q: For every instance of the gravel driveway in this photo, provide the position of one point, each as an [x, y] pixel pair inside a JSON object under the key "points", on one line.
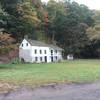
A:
{"points": [[57, 92]]}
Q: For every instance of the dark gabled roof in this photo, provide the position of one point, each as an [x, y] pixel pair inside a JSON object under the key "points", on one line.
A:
{"points": [[38, 43]]}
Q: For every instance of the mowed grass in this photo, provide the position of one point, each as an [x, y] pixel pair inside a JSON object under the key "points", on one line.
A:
{"points": [[37, 74]]}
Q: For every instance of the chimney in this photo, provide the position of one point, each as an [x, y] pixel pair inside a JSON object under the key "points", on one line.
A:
{"points": [[26, 37]]}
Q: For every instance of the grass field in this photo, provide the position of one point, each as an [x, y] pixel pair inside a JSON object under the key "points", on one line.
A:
{"points": [[36, 74]]}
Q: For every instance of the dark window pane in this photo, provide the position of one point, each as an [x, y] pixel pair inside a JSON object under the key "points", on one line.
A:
{"points": [[40, 58], [40, 51], [45, 52], [36, 58], [26, 44], [35, 51], [56, 57], [51, 51]]}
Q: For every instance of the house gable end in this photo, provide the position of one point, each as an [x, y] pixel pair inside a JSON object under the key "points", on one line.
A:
{"points": [[25, 44]]}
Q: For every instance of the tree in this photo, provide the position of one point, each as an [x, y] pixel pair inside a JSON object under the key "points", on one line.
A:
{"points": [[3, 17], [94, 31], [62, 22], [6, 39], [22, 19], [68, 23], [9, 6], [93, 34], [54, 10]]}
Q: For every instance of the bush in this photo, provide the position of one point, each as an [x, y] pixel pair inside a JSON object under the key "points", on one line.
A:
{"points": [[16, 61]]}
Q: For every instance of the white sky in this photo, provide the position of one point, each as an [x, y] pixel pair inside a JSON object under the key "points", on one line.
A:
{"points": [[92, 4]]}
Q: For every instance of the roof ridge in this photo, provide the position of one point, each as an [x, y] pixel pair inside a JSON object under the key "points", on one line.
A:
{"points": [[40, 43]]}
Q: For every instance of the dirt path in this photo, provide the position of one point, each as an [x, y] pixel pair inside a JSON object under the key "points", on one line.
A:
{"points": [[57, 92]]}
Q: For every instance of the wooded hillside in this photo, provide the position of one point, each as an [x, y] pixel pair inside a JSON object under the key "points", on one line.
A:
{"points": [[74, 27]]}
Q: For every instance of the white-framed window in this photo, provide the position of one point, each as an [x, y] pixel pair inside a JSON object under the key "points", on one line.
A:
{"points": [[51, 52], [36, 58], [22, 45], [40, 58], [45, 52], [40, 51], [56, 57], [26, 44], [35, 51]]}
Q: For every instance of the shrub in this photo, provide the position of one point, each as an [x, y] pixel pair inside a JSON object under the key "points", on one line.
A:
{"points": [[16, 61]]}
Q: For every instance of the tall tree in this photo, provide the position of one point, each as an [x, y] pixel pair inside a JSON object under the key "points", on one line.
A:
{"points": [[55, 10], [94, 31], [3, 17], [22, 18], [93, 34], [68, 24]]}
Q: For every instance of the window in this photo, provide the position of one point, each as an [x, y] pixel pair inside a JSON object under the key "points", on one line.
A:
{"points": [[40, 51], [51, 52], [26, 44], [40, 58], [36, 58], [22, 45], [45, 51], [56, 57], [35, 51]]}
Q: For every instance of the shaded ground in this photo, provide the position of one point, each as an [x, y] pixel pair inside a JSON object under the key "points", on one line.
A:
{"points": [[89, 91]]}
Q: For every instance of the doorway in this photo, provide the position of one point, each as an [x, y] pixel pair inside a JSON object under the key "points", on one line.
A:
{"points": [[45, 58], [52, 59]]}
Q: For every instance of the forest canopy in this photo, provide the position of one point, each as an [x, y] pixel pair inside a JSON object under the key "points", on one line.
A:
{"points": [[74, 27]]}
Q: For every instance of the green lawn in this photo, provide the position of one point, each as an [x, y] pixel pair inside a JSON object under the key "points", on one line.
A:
{"points": [[36, 74]]}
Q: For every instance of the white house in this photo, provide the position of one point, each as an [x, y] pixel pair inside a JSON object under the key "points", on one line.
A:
{"points": [[36, 51]]}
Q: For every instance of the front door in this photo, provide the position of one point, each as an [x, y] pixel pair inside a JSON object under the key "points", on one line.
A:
{"points": [[52, 59], [45, 58]]}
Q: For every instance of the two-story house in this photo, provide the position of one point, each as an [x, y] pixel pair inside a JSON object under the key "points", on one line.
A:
{"points": [[36, 51]]}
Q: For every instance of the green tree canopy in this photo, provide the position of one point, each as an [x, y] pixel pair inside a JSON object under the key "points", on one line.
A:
{"points": [[94, 31], [23, 18], [68, 22]]}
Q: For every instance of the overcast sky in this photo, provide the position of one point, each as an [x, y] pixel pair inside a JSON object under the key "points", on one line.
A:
{"points": [[92, 4]]}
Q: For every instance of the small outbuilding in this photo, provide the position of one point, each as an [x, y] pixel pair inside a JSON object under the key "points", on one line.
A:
{"points": [[36, 51], [70, 57]]}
